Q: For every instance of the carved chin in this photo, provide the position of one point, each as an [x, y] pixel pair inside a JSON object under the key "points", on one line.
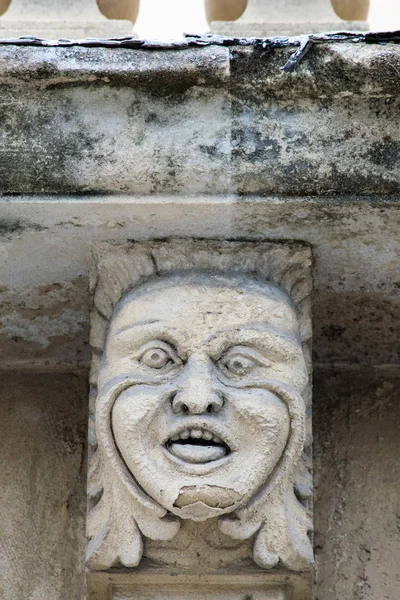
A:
{"points": [[200, 503]]}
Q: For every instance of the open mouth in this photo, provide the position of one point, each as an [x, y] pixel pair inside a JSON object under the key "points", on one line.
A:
{"points": [[197, 445]]}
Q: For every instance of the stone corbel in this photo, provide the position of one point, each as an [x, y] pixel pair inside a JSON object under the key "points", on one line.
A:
{"points": [[200, 431]]}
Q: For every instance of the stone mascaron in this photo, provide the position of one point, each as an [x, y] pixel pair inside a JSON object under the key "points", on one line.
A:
{"points": [[199, 412]]}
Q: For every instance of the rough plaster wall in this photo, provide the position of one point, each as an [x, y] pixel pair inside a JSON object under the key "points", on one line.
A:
{"points": [[44, 301], [264, 134], [357, 475], [42, 486]]}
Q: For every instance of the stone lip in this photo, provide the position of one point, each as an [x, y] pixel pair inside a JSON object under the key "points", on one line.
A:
{"points": [[91, 61], [341, 34], [207, 61], [193, 454], [197, 444], [322, 32]]}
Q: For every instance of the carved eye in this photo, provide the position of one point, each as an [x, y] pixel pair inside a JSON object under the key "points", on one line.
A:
{"points": [[158, 356], [241, 361]]}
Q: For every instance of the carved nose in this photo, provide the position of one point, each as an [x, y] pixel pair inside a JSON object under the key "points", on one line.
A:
{"points": [[196, 393], [197, 404]]}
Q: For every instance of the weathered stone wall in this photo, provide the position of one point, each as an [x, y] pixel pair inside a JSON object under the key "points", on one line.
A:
{"points": [[206, 143], [356, 477], [43, 478], [355, 241], [356, 473]]}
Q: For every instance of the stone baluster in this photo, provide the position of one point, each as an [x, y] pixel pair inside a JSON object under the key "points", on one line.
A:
{"points": [[224, 10], [170, 20], [54, 19], [292, 17], [352, 10]]}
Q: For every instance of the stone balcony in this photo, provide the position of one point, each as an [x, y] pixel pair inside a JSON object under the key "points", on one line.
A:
{"points": [[209, 139]]}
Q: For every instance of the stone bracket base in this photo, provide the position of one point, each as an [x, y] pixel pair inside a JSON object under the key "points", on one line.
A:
{"points": [[168, 585]]}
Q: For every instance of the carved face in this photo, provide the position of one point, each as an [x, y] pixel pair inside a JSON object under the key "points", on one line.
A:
{"points": [[199, 429]]}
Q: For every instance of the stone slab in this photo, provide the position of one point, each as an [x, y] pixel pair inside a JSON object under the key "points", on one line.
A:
{"points": [[45, 302], [241, 584], [113, 137], [198, 594], [201, 120]]}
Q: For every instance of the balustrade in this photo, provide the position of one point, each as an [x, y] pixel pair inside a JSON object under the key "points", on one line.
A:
{"points": [[119, 9], [162, 19], [224, 10], [293, 17], [170, 19], [56, 18], [352, 10]]}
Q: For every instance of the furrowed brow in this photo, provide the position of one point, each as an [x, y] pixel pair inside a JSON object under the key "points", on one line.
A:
{"points": [[138, 324], [280, 343]]}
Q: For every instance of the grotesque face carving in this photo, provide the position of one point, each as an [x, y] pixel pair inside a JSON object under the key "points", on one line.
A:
{"points": [[199, 428]]}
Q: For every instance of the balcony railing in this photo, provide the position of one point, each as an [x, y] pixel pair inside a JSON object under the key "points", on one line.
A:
{"points": [[170, 18]]}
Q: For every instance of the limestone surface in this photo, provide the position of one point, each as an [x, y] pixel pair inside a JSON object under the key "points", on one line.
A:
{"points": [[202, 371], [215, 143], [42, 499]]}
